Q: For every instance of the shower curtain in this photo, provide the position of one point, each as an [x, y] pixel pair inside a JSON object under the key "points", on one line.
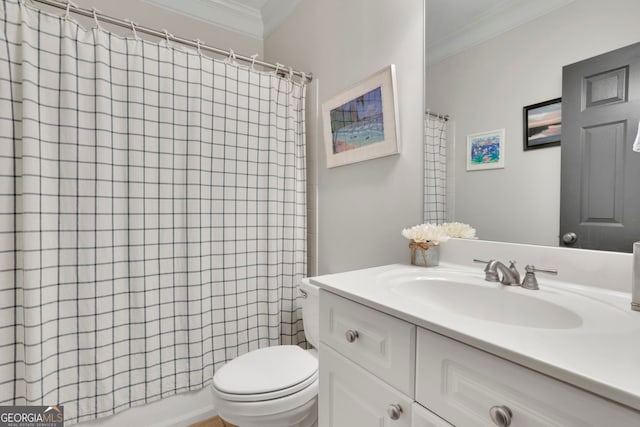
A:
{"points": [[152, 215], [435, 169]]}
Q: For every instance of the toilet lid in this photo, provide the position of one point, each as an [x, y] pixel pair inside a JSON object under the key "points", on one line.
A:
{"points": [[265, 371]]}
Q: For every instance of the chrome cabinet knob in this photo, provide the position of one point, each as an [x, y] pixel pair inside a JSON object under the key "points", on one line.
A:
{"points": [[501, 416], [569, 238], [351, 335], [394, 411]]}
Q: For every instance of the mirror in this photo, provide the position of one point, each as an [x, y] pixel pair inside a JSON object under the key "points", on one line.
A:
{"points": [[488, 59]]}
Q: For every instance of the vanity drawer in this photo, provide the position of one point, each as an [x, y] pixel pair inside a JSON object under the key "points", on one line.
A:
{"points": [[461, 384], [382, 344]]}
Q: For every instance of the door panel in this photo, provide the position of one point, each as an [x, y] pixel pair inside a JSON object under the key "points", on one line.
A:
{"points": [[425, 418], [600, 189], [606, 88]]}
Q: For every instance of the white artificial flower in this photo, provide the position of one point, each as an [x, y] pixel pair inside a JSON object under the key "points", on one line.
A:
{"points": [[409, 233], [459, 229], [426, 233]]}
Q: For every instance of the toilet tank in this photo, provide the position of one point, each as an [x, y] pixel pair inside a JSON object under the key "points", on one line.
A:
{"points": [[310, 311]]}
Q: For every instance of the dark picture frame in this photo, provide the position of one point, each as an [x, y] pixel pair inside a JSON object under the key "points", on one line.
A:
{"points": [[542, 124]]}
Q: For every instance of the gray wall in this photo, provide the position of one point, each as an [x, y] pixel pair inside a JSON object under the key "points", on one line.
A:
{"points": [[485, 88], [361, 208]]}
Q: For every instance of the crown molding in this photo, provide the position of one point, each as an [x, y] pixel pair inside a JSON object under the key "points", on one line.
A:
{"points": [[228, 14], [233, 15], [494, 22]]}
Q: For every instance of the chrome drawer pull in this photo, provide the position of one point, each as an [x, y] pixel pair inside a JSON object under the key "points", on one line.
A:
{"points": [[351, 335], [501, 416], [394, 411]]}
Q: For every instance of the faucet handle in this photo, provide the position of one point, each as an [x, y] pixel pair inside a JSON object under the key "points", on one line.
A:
{"points": [[514, 270], [481, 261], [533, 268], [530, 281]]}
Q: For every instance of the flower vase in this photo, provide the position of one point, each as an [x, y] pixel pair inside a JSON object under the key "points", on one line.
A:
{"points": [[424, 254]]}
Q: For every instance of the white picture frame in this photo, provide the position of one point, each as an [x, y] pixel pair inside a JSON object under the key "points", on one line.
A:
{"points": [[486, 150], [361, 123]]}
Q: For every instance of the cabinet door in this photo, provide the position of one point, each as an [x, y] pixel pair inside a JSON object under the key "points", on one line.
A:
{"points": [[352, 397], [467, 387], [422, 417]]}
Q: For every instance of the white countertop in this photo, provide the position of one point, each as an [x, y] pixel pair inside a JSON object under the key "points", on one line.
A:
{"points": [[602, 355]]}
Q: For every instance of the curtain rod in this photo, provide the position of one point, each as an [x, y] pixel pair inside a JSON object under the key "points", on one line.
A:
{"points": [[444, 117], [65, 5]]}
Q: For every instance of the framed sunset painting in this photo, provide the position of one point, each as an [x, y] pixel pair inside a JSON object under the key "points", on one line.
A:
{"points": [[361, 123], [542, 124], [486, 150]]}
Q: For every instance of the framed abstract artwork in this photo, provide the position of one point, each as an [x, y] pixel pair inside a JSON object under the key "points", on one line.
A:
{"points": [[486, 150], [361, 123]]}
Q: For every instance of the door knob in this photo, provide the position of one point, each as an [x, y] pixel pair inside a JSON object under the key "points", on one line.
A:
{"points": [[569, 238], [351, 335], [501, 416], [394, 411]]}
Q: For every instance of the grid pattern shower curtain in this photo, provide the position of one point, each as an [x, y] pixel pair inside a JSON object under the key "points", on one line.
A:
{"points": [[152, 215], [435, 169]]}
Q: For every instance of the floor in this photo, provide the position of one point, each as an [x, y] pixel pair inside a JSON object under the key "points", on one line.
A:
{"points": [[212, 422]]}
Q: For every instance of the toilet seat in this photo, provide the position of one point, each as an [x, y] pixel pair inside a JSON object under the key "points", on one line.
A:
{"points": [[266, 374], [276, 394], [257, 413]]}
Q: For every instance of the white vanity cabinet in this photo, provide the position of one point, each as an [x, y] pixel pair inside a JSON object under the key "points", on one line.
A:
{"points": [[422, 417], [367, 366], [378, 370]]}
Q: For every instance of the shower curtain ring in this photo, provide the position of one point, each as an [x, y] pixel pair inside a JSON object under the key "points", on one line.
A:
{"points": [[167, 36], [278, 66], [133, 28], [231, 59], [290, 73], [68, 9], [95, 17], [253, 61], [198, 44], [303, 76]]}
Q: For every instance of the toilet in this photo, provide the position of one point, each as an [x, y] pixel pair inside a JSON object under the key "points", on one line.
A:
{"points": [[274, 386]]}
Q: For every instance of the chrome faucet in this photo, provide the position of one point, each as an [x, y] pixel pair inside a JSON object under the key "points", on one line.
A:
{"points": [[510, 275]]}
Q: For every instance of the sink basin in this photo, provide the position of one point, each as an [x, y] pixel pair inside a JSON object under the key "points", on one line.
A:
{"points": [[491, 302]]}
